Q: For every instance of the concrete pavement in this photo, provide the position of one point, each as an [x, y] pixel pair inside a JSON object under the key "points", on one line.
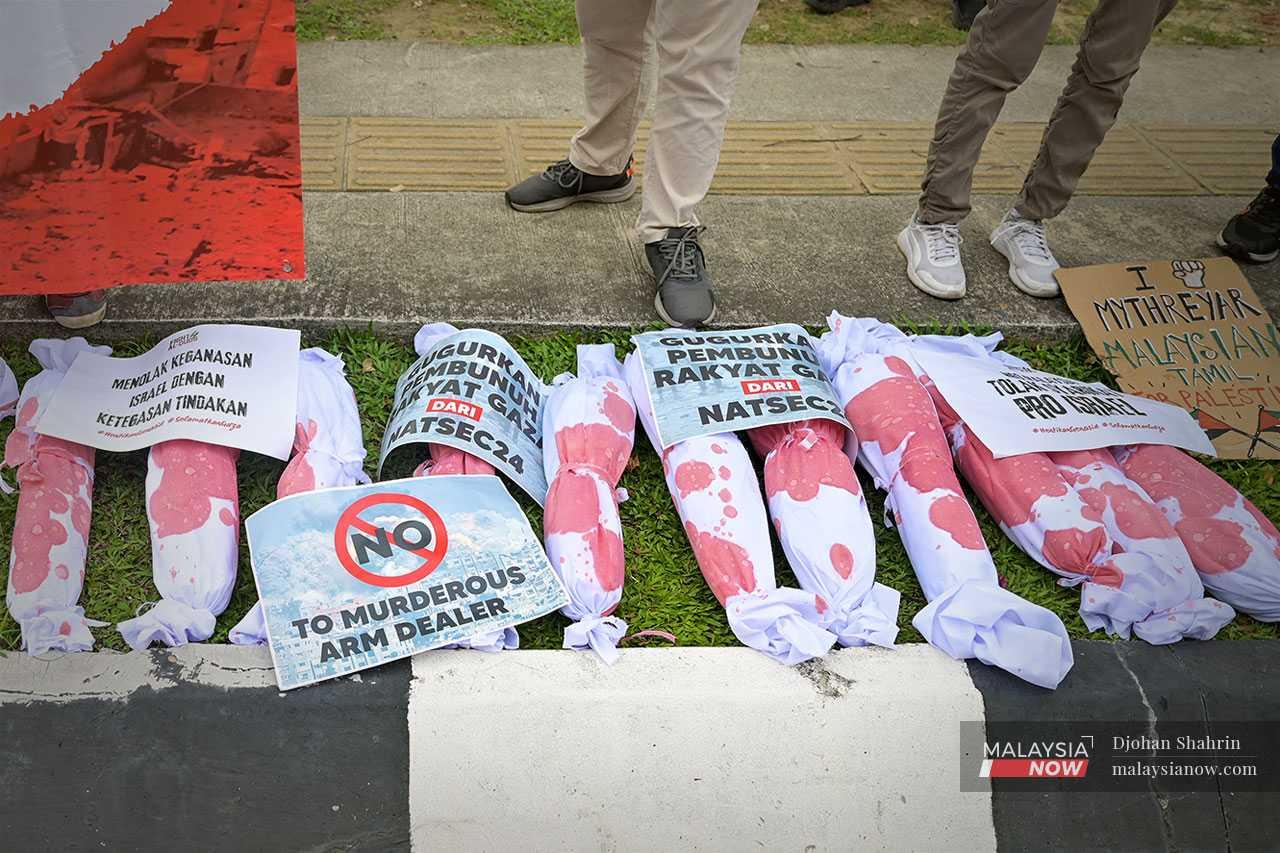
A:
{"points": [[705, 749], [397, 259]]}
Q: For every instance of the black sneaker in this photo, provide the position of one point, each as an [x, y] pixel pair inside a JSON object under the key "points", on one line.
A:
{"points": [[830, 7], [1253, 234], [964, 11], [563, 184], [684, 296]]}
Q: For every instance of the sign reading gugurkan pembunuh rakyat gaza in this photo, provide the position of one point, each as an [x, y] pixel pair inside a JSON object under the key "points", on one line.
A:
{"points": [[706, 383], [354, 577], [222, 384], [1192, 333], [474, 392]]}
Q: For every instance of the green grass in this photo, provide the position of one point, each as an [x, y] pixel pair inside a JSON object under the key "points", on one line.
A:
{"points": [[1216, 23], [664, 589]]}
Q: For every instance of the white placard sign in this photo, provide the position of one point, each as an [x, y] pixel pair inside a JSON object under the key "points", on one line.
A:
{"points": [[1018, 410], [232, 385]]}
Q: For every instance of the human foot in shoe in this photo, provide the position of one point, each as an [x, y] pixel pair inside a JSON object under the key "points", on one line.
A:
{"points": [[933, 258], [1253, 234], [1031, 263], [684, 296], [562, 184]]}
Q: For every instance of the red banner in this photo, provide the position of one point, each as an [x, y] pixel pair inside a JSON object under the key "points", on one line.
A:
{"points": [[173, 157]]}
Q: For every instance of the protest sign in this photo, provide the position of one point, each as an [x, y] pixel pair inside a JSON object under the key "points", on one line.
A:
{"points": [[1018, 410], [472, 391], [702, 383], [232, 385], [354, 577], [1192, 333]]}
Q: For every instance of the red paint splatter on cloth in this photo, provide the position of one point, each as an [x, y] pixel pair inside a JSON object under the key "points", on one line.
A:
{"points": [[692, 476], [841, 560], [725, 565], [193, 474]]}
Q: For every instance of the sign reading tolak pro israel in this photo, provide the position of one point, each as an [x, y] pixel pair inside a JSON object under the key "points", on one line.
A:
{"points": [[232, 385], [1016, 409], [702, 383], [473, 391], [350, 578]]}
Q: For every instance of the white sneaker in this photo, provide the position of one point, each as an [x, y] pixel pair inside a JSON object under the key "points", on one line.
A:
{"points": [[933, 258], [1031, 264]]}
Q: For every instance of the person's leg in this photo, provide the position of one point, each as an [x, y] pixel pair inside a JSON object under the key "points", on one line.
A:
{"points": [[1273, 179], [1111, 48], [1003, 48], [699, 49], [615, 39], [1253, 234]]}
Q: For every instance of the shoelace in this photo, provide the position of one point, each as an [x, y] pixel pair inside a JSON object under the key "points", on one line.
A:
{"points": [[562, 170], [681, 255], [942, 242], [1028, 236]]}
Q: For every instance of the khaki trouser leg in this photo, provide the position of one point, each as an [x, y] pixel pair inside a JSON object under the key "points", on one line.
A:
{"points": [[1111, 47], [1003, 48], [615, 39], [699, 47]]}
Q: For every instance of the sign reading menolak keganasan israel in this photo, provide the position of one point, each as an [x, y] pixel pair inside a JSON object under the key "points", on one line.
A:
{"points": [[702, 383], [354, 577]]}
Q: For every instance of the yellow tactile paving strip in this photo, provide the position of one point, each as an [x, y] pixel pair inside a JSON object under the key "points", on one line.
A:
{"points": [[776, 158]]}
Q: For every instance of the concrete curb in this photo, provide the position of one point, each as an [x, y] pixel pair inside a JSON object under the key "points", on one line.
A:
{"points": [[716, 749], [397, 260]]}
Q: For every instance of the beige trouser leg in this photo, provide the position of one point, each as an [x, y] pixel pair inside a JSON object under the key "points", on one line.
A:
{"points": [[699, 46], [1114, 39]]}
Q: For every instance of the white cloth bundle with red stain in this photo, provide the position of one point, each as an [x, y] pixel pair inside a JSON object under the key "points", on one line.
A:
{"points": [[717, 495], [588, 429], [55, 506], [825, 528], [328, 447], [1078, 515], [900, 441], [1234, 547], [193, 511], [445, 461]]}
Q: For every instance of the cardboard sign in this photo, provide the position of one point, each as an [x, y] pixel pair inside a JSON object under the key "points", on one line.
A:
{"points": [[232, 385], [1018, 410], [355, 577], [474, 392], [702, 383], [1192, 333]]}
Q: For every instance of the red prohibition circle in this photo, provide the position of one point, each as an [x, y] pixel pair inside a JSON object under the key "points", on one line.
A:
{"points": [[351, 518]]}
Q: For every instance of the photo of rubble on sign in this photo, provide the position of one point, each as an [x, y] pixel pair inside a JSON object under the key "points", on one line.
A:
{"points": [[145, 142]]}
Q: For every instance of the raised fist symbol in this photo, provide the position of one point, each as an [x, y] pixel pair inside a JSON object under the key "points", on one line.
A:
{"points": [[1190, 272]]}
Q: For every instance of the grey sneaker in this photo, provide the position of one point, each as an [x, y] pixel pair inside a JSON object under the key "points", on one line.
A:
{"points": [[684, 296], [1031, 264], [562, 184], [78, 310], [933, 258]]}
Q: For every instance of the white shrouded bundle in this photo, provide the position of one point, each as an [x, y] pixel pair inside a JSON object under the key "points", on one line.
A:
{"points": [[1078, 515], [328, 450], [717, 495], [902, 444], [55, 506], [193, 511], [8, 391], [446, 460], [588, 428], [1234, 547], [825, 528]]}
